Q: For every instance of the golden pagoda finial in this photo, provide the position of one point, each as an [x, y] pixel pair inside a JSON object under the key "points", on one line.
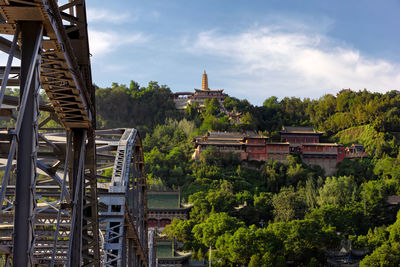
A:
{"points": [[204, 84]]}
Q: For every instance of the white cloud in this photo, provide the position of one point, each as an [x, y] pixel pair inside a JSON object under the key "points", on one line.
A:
{"points": [[104, 42], [109, 16], [274, 61]]}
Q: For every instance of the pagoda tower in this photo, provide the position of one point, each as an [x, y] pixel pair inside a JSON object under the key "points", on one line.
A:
{"points": [[204, 84]]}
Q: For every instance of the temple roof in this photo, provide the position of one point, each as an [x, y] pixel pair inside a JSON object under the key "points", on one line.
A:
{"points": [[393, 200], [165, 250], [209, 90], [213, 133], [163, 200], [227, 138], [183, 93], [299, 130], [221, 142], [254, 135]]}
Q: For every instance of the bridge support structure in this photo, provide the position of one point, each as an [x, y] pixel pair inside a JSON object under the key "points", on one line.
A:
{"points": [[50, 213]]}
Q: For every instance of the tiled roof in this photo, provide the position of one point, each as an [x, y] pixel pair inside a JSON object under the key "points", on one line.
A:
{"points": [[223, 137], [393, 200], [225, 134], [217, 90], [220, 142], [164, 249], [299, 130], [163, 200]]}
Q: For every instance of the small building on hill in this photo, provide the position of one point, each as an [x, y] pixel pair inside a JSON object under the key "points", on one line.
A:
{"points": [[224, 142], [163, 207], [356, 151], [182, 99], [299, 135], [247, 146], [235, 117], [346, 258]]}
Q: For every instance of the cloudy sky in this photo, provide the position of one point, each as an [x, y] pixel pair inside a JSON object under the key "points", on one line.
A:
{"points": [[252, 49]]}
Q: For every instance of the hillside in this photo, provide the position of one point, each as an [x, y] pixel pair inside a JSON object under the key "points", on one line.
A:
{"points": [[274, 213]]}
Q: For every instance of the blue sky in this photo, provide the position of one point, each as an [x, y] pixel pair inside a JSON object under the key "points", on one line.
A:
{"points": [[252, 49]]}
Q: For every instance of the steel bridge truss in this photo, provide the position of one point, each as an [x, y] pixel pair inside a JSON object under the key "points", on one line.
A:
{"points": [[60, 204], [124, 215], [121, 192]]}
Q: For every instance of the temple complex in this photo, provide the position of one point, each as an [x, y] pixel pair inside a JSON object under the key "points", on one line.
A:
{"points": [[302, 141], [182, 99]]}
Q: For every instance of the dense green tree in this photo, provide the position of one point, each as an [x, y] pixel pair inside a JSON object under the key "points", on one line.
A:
{"points": [[373, 196], [239, 246], [143, 107], [213, 227], [248, 245], [372, 240], [310, 193], [386, 255], [288, 205], [304, 239], [263, 207], [338, 191], [361, 169], [212, 107], [346, 220], [180, 229], [201, 207]]}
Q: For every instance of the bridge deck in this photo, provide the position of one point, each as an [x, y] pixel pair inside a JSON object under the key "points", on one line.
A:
{"points": [[61, 75]]}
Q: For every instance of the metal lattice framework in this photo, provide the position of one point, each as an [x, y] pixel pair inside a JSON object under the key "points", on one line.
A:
{"points": [[125, 219], [59, 203]]}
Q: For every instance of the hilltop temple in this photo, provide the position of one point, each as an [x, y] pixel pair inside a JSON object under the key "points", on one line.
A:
{"points": [[182, 99]]}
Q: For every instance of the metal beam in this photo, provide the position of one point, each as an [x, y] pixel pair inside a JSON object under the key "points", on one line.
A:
{"points": [[57, 24], [76, 183], [13, 101], [31, 36], [13, 70], [5, 46], [63, 185]]}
